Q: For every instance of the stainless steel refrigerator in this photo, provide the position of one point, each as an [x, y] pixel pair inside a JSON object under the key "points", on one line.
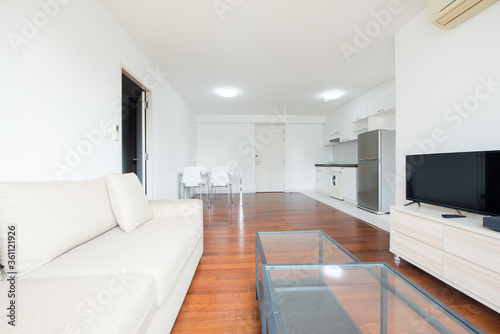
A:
{"points": [[376, 170]]}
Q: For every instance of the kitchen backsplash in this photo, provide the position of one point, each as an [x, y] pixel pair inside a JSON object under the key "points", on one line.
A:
{"points": [[346, 153]]}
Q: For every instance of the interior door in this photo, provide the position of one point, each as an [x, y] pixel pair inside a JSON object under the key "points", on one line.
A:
{"points": [[269, 158], [134, 156]]}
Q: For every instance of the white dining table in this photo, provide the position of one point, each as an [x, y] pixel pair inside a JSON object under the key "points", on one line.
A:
{"points": [[206, 175]]}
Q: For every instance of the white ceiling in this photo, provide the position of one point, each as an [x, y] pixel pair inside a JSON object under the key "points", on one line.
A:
{"points": [[278, 53]]}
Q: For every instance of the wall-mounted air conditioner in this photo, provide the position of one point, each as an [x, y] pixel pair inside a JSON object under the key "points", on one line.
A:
{"points": [[451, 13]]}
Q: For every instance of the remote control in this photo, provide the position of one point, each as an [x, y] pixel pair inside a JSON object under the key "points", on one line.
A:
{"points": [[452, 216]]}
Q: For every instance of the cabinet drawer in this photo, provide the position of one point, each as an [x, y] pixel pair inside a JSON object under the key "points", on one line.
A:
{"points": [[473, 278], [426, 231], [481, 250], [418, 252]]}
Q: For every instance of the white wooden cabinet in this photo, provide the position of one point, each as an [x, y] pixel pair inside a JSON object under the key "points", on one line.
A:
{"points": [[371, 111], [359, 111], [460, 252], [346, 133], [383, 100], [349, 188], [322, 179], [331, 129], [338, 127]]}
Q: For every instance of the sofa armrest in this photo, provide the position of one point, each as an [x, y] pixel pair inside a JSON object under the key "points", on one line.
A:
{"points": [[187, 209]]}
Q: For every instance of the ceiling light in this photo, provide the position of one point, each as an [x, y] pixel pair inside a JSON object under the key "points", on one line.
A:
{"points": [[227, 92], [333, 95]]}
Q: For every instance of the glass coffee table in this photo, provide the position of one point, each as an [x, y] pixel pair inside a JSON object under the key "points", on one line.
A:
{"points": [[295, 247], [351, 298]]}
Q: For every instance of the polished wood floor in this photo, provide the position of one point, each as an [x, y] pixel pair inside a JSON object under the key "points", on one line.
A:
{"points": [[221, 298]]}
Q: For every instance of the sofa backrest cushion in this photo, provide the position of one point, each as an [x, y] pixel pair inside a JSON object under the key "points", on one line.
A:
{"points": [[130, 204], [50, 218]]}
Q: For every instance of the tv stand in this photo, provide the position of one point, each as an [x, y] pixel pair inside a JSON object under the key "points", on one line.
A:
{"points": [[460, 252], [414, 202]]}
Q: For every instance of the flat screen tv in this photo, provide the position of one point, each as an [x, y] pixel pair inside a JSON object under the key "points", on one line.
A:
{"points": [[468, 181]]}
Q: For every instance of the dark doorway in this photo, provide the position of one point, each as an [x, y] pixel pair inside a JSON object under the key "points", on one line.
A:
{"points": [[133, 129]]}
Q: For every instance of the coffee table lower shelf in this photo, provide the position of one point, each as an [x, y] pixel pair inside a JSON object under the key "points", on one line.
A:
{"points": [[350, 298]]}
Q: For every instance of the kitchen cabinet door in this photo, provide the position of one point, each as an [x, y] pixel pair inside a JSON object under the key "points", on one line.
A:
{"points": [[359, 111], [382, 102], [349, 184], [317, 176], [346, 132], [331, 129], [322, 179]]}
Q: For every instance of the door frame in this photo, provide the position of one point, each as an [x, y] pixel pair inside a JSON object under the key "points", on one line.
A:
{"points": [[148, 136]]}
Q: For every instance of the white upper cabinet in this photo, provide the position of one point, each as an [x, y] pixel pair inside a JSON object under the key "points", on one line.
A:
{"points": [[338, 127], [345, 121], [384, 100], [359, 111], [371, 111], [331, 130]]}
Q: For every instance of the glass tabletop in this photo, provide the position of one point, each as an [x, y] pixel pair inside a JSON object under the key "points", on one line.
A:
{"points": [[295, 247], [352, 298], [290, 247]]}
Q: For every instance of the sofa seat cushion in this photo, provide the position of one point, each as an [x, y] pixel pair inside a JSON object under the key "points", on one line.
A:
{"points": [[51, 218], [158, 248], [110, 304]]}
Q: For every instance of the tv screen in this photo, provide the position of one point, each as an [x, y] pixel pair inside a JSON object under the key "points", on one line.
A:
{"points": [[468, 181]]}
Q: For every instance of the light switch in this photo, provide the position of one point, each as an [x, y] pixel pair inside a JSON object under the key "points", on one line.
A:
{"points": [[116, 133]]}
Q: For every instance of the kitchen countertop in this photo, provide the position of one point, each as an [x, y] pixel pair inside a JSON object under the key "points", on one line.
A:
{"points": [[336, 165]]}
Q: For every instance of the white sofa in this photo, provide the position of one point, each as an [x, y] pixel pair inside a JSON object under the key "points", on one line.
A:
{"points": [[95, 256]]}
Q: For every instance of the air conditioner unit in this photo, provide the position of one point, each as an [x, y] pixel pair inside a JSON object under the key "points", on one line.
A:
{"points": [[451, 13]]}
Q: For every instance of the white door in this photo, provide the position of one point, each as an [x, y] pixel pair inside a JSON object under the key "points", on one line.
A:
{"points": [[269, 157]]}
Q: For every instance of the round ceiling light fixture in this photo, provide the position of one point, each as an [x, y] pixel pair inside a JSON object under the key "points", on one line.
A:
{"points": [[332, 95], [227, 92]]}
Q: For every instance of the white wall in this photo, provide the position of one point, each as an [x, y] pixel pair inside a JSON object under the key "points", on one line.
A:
{"points": [[231, 141], [346, 152], [174, 144], [447, 88], [303, 149], [228, 144], [61, 83]]}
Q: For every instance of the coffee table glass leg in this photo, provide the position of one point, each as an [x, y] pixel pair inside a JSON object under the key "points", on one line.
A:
{"points": [[320, 248], [383, 303], [256, 270]]}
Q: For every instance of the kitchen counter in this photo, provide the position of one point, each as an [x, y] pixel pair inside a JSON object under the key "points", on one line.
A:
{"points": [[336, 165]]}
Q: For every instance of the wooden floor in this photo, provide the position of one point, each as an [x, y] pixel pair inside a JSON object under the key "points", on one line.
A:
{"points": [[221, 298]]}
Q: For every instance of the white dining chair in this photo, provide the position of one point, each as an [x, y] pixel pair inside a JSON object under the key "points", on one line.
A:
{"points": [[220, 178], [191, 178], [205, 175]]}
